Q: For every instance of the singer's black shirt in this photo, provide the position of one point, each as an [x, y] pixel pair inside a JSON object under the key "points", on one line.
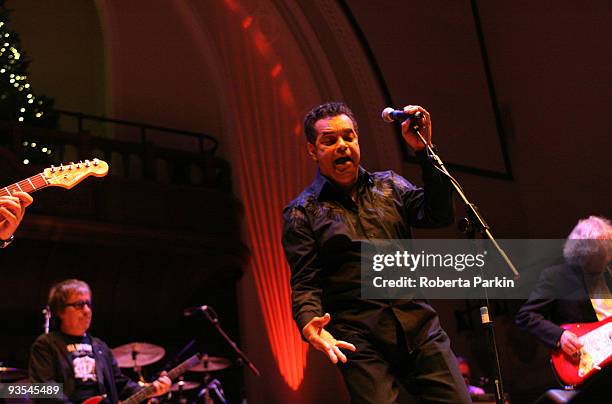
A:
{"points": [[322, 235]]}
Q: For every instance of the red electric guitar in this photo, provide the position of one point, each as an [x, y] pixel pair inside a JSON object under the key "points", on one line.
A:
{"points": [[594, 355], [145, 392], [65, 176]]}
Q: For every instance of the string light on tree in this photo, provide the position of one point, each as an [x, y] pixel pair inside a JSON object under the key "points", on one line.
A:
{"points": [[18, 103]]}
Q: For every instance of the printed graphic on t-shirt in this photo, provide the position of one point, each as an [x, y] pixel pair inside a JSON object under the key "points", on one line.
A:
{"points": [[83, 362], [84, 368]]}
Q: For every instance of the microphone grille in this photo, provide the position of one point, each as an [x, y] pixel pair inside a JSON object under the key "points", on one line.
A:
{"points": [[386, 114]]}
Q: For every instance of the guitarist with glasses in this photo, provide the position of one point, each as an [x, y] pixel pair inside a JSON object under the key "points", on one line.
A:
{"points": [[12, 209], [578, 291], [70, 355]]}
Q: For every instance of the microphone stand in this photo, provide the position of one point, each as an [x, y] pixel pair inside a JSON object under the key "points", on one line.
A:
{"points": [[170, 363], [214, 320], [47, 314], [469, 225]]}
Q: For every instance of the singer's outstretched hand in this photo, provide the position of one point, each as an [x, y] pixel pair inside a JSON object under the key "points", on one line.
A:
{"points": [[322, 340], [408, 131]]}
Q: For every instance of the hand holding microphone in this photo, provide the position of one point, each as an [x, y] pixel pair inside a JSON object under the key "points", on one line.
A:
{"points": [[396, 115], [414, 118]]}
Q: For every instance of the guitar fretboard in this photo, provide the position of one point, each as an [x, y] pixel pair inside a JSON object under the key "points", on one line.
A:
{"points": [[29, 185]]}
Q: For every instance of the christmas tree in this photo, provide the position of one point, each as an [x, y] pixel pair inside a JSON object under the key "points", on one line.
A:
{"points": [[18, 102]]}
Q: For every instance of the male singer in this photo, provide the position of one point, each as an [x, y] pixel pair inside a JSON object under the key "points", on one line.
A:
{"points": [[386, 342]]}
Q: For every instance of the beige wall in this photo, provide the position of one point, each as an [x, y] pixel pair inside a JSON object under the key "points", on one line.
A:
{"points": [[63, 39]]}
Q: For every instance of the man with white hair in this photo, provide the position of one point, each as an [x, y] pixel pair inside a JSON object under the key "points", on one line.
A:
{"points": [[578, 291]]}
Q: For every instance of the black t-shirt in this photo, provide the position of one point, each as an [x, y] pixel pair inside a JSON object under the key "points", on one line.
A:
{"points": [[79, 351]]}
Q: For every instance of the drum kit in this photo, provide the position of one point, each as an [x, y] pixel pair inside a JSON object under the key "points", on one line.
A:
{"points": [[198, 387], [201, 386]]}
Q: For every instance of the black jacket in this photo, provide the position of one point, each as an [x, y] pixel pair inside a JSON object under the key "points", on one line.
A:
{"points": [[560, 297], [323, 234], [49, 362]]}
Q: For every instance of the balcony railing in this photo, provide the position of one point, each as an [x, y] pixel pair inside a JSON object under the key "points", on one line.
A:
{"points": [[155, 153]]}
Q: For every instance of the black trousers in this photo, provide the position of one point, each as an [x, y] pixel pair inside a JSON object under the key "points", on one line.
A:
{"points": [[385, 359]]}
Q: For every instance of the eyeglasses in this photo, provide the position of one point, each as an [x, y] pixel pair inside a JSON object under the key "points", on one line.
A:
{"points": [[80, 304]]}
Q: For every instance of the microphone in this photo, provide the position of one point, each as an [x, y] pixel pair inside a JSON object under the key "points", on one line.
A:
{"points": [[190, 311], [389, 115]]}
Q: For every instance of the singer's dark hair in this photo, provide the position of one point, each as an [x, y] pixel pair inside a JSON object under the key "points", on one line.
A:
{"points": [[58, 295], [327, 110]]}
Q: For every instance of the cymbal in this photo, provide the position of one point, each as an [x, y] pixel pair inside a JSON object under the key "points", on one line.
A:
{"points": [[12, 374], [186, 385], [137, 354], [211, 364]]}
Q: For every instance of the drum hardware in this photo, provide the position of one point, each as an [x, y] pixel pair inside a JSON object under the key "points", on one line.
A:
{"points": [[213, 385], [180, 388], [12, 374], [211, 364], [135, 355], [183, 385]]}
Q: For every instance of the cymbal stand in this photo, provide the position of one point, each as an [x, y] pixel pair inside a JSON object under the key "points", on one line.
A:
{"points": [[181, 391], [137, 367]]}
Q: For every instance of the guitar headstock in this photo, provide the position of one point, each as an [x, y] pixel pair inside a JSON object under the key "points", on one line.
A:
{"points": [[67, 176]]}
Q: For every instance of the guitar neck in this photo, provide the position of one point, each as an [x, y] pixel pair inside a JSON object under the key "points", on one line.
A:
{"points": [[173, 374], [29, 185]]}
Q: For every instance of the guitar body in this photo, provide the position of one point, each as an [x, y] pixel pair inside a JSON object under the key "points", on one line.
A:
{"points": [[94, 400], [595, 354]]}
